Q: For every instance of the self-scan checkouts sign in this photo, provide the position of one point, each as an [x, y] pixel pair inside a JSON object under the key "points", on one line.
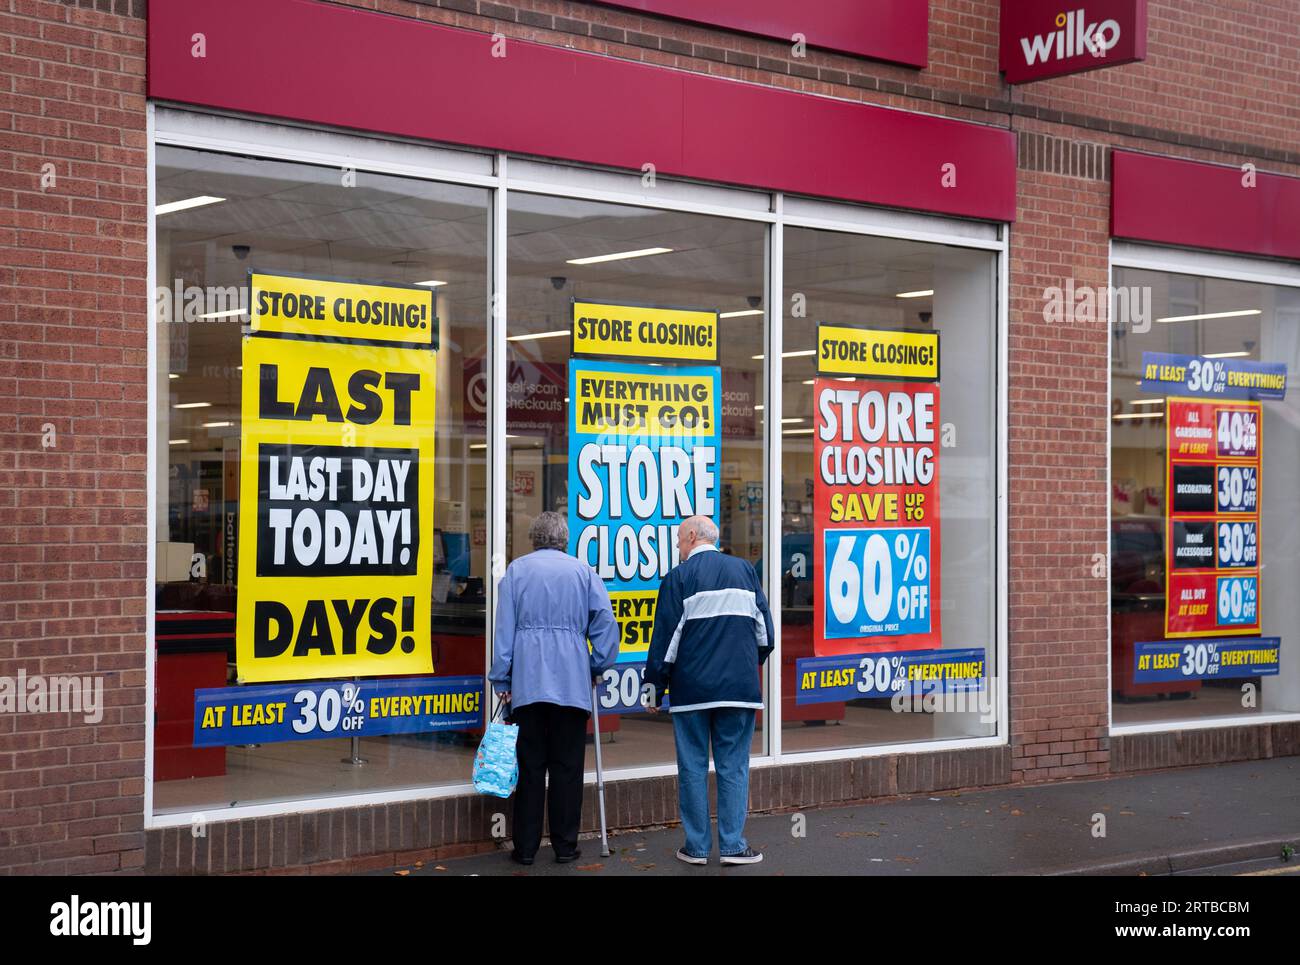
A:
{"points": [[336, 480]]}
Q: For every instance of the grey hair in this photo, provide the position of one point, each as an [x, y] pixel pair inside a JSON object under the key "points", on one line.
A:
{"points": [[550, 531], [704, 528]]}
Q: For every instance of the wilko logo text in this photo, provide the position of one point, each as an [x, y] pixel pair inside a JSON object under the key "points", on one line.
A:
{"points": [[1075, 36], [1044, 38]]}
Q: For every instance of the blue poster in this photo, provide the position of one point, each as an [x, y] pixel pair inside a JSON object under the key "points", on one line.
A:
{"points": [[1171, 661], [897, 600], [336, 708], [644, 444], [1168, 374], [855, 676]]}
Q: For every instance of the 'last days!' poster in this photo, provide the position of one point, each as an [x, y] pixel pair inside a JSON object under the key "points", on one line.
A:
{"points": [[336, 481]]}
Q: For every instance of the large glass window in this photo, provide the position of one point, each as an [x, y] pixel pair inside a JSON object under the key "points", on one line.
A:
{"points": [[219, 215], [1205, 510], [888, 492], [872, 606], [563, 251]]}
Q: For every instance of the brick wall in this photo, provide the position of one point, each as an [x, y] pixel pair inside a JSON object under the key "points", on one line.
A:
{"points": [[1142, 752], [1059, 499], [1222, 83], [72, 429], [357, 839]]}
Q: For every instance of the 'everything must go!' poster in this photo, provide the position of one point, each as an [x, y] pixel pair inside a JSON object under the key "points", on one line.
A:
{"points": [[876, 493], [336, 480], [644, 445], [637, 469]]}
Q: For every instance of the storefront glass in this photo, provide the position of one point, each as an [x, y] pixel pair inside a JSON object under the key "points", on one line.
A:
{"points": [[218, 217], [1205, 511], [657, 412], [888, 532], [616, 263]]}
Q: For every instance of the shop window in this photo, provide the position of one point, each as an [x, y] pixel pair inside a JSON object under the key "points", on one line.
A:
{"points": [[888, 518], [1205, 510], [645, 274], [219, 216]]}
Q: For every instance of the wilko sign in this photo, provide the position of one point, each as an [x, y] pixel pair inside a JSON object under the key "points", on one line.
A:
{"points": [[1049, 38]]}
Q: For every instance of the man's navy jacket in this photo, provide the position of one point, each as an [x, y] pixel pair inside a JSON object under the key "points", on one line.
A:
{"points": [[712, 631]]}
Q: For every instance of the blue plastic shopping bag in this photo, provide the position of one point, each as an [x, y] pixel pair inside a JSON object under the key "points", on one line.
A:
{"points": [[496, 765]]}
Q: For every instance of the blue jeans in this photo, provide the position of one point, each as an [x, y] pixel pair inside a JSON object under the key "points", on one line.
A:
{"points": [[731, 729]]}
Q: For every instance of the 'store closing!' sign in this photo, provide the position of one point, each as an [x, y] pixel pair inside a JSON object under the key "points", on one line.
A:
{"points": [[336, 480], [671, 335]]}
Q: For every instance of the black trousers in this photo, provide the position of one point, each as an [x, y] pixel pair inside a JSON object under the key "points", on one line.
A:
{"points": [[551, 739]]}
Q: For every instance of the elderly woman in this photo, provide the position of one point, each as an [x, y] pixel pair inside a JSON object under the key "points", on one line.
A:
{"points": [[551, 604]]}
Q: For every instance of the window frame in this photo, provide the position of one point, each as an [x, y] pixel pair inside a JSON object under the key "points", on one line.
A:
{"points": [[1199, 264], [883, 223], [501, 173]]}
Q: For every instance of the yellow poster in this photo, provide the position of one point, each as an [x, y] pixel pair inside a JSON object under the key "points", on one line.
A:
{"points": [[651, 402], [321, 308], [336, 491], [878, 353], [644, 332], [634, 611]]}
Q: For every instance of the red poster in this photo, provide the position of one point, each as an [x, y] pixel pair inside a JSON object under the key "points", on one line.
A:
{"points": [[1212, 533], [876, 516]]}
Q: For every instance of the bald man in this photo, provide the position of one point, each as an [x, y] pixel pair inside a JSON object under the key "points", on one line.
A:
{"points": [[712, 632]]}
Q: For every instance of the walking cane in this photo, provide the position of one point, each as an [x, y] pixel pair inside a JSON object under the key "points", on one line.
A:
{"points": [[600, 773]]}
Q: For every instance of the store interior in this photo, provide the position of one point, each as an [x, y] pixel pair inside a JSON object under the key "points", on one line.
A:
{"points": [[285, 217], [1215, 318]]}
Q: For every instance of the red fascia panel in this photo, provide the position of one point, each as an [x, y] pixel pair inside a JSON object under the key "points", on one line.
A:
{"points": [[1176, 202], [894, 30], [340, 66]]}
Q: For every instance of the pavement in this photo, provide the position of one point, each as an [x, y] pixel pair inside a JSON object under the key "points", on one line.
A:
{"points": [[1218, 819]]}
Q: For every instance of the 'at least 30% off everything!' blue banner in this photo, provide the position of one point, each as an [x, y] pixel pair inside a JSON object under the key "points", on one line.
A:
{"points": [[311, 711]]}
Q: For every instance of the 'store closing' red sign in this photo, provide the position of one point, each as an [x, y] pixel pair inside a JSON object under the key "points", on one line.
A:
{"points": [[876, 516], [1051, 38]]}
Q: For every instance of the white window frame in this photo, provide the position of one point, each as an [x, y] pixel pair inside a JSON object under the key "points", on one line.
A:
{"points": [[501, 174], [882, 223], [1205, 264]]}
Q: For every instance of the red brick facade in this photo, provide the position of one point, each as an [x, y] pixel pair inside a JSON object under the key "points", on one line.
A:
{"points": [[1220, 84], [73, 424]]}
